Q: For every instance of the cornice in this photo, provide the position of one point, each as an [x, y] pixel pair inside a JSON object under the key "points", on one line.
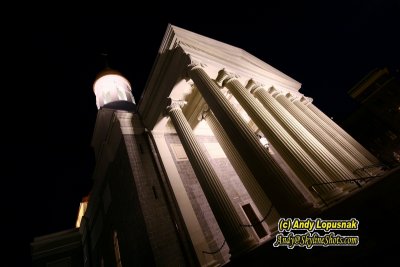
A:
{"points": [[169, 68], [223, 55], [181, 49]]}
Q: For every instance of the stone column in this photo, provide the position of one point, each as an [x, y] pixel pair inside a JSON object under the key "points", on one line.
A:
{"points": [[238, 239], [307, 141], [288, 198], [320, 136], [337, 133], [256, 193], [301, 162], [342, 132]]}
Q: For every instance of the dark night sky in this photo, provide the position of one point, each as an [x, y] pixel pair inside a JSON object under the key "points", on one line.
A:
{"points": [[328, 48]]}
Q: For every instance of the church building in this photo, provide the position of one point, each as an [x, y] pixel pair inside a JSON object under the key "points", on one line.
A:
{"points": [[220, 146]]}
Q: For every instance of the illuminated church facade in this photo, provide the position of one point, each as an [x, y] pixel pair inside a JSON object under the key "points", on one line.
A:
{"points": [[199, 171]]}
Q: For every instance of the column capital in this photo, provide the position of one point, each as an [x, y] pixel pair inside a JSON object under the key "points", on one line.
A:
{"points": [[205, 111], [253, 86], [174, 104], [194, 64], [224, 77], [291, 97], [275, 92], [295, 97], [306, 100]]}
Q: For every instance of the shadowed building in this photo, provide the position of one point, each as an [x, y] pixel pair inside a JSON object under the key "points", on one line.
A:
{"points": [[61, 249], [219, 147], [378, 114]]}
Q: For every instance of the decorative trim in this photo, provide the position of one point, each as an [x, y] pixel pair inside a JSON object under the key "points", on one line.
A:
{"points": [[253, 86], [275, 93], [205, 111], [226, 55], [174, 104], [306, 100], [195, 64], [224, 77]]}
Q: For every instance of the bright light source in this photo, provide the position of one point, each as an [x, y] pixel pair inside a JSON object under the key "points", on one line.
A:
{"points": [[264, 142], [110, 88], [81, 212]]}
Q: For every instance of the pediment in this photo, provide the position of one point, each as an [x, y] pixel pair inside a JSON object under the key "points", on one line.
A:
{"points": [[219, 54]]}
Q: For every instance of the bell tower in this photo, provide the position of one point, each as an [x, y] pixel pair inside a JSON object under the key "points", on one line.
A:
{"points": [[113, 90]]}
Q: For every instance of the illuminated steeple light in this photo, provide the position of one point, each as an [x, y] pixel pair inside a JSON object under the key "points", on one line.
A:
{"points": [[112, 90]]}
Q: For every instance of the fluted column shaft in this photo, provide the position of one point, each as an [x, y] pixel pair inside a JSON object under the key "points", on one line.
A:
{"points": [[332, 145], [302, 164], [272, 179], [236, 237], [339, 152], [328, 128], [334, 168], [342, 132], [256, 193]]}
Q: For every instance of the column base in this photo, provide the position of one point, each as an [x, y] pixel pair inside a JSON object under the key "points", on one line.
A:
{"points": [[272, 228], [246, 246], [306, 210], [331, 196], [348, 187], [213, 263]]}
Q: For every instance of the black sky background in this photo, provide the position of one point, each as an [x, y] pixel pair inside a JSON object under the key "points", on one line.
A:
{"points": [[48, 128]]}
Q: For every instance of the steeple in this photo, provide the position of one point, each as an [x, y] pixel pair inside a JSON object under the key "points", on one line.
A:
{"points": [[113, 90]]}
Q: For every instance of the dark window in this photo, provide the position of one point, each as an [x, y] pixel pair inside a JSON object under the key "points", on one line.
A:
{"points": [[254, 220]]}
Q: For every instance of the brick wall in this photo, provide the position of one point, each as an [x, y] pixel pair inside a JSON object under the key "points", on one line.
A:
{"points": [[161, 230], [125, 215], [138, 210]]}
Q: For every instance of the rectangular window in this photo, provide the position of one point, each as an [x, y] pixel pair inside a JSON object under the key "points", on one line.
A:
{"points": [[258, 227]]}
